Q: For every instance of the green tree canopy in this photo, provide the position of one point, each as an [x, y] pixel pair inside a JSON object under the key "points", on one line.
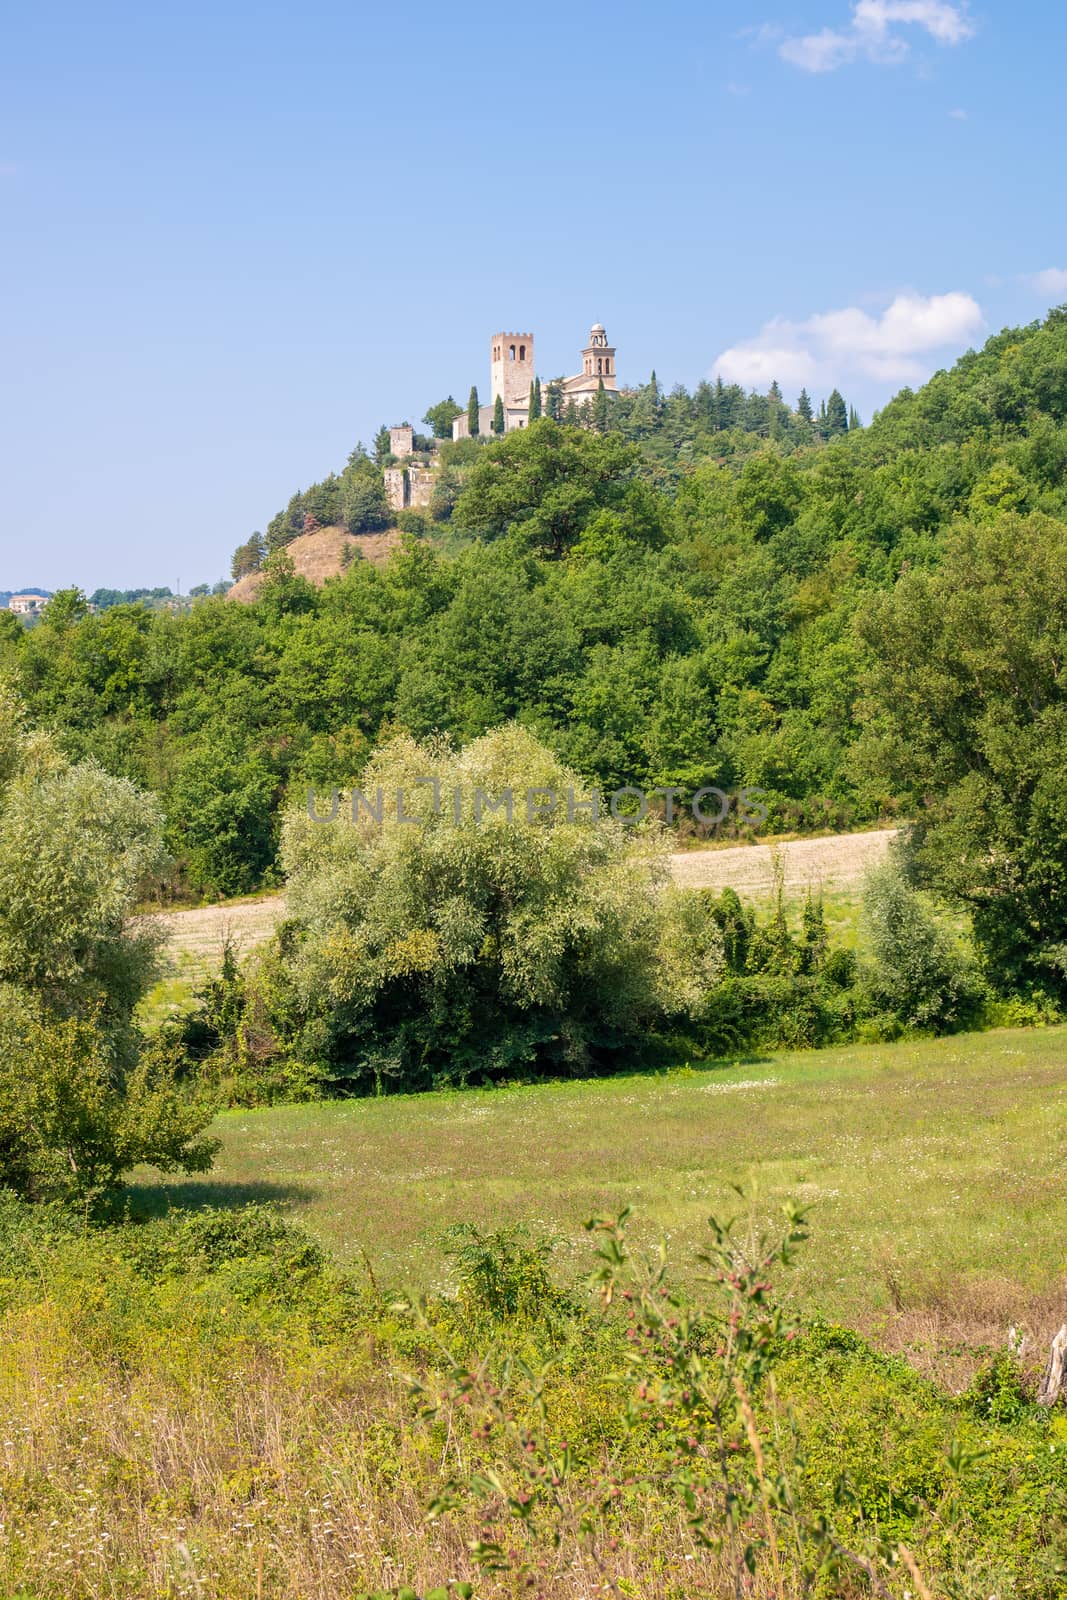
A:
{"points": [[470, 944], [439, 418], [966, 722], [547, 479]]}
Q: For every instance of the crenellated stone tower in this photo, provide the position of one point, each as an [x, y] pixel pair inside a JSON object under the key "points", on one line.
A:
{"points": [[511, 367]]}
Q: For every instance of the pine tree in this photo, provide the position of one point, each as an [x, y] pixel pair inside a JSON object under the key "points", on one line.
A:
{"points": [[473, 427], [571, 413], [534, 409], [381, 445], [775, 409], [498, 414], [704, 403], [804, 411], [836, 414]]}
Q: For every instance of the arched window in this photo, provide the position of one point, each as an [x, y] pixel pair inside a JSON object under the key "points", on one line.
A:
{"points": [[511, 353], [522, 352], [599, 365]]}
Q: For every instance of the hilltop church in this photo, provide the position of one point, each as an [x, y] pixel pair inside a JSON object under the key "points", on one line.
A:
{"points": [[512, 373]]}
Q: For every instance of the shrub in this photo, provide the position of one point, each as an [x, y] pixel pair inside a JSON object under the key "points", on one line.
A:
{"points": [[505, 1273], [916, 972], [475, 947], [79, 1106], [73, 1119]]}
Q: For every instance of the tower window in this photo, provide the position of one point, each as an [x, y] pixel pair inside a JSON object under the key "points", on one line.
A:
{"points": [[511, 353], [522, 352]]}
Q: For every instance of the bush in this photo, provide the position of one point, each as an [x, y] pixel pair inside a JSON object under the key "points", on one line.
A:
{"points": [[79, 1104], [505, 1273], [473, 948], [73, 1120], [916, 974]]}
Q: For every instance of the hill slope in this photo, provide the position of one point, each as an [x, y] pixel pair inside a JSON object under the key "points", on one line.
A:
{"points": [[323, 554]]}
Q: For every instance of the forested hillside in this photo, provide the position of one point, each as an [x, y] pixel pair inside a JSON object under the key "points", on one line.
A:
{"points": [[663, 599]]}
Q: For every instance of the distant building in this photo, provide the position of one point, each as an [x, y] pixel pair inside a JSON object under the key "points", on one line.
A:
{"points": [[512, 374], [409, 488], [27, 605], [402, 441]]}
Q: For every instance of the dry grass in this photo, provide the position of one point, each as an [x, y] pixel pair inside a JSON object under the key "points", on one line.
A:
{"points": [[836, 863], [323, 554], [207, 1468]]}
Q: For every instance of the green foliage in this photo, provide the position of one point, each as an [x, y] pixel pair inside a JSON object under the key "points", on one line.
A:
{"points": [[778, 1454], [916, 975], [454, 1591], [474, 426], [496, 936], [79, 1105], [503, 1273], [440, 417], [248, 557], [73, 1120], [544, 481], [967, 719]]}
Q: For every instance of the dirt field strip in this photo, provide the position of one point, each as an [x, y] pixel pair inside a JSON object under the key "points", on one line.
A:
{"points": [[837, 862], [197, 937]]}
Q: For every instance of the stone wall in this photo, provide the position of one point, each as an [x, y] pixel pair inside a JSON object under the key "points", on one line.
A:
{"points": [[396, 483], [420, 485]]}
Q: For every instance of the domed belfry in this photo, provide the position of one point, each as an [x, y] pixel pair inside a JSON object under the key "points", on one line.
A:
{"points": [[598, 357]]}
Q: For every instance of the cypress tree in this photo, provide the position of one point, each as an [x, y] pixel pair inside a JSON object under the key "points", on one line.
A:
{"points": [[853, 419], [552, 402], [498, 414], [601, 409], [472, 412], [534, 408]]}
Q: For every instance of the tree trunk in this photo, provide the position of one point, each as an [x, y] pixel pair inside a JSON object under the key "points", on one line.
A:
{"points": [[1052, 1383]]}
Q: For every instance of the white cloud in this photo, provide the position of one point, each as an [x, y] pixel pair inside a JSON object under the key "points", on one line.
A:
{"points": [[849, 346], [1052, 281], [958, 115], [871, 34]]}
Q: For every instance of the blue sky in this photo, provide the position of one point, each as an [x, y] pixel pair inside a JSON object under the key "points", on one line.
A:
{"points": [[236, 238]]}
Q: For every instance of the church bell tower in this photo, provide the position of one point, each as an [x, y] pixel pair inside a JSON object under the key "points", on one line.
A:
{"points": [[598, 357]]}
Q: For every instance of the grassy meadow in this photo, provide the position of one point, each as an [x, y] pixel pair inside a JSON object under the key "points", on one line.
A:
{"points": [[933, 1169]]}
